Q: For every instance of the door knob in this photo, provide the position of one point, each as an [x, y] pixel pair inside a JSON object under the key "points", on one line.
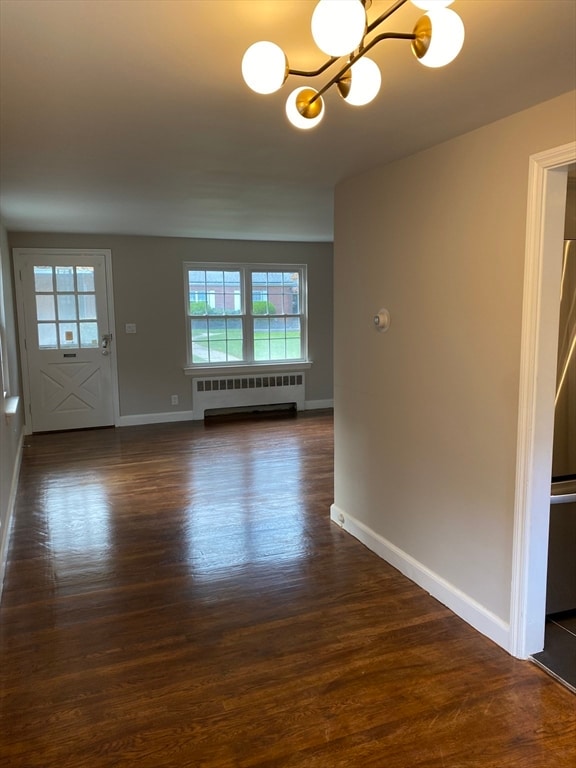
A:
{"points": [[105, 344]]}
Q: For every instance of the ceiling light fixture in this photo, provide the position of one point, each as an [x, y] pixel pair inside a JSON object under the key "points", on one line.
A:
{"points": [[340, 28]]}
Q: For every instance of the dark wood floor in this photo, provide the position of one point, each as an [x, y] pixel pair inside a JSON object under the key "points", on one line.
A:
{"points": [[176, 596]]}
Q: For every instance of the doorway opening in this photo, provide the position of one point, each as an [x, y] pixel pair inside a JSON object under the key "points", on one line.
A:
{"points": [[559, 654], [547, 186]]}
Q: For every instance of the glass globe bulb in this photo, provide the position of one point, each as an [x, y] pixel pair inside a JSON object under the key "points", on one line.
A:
{"points": [[338, 26], [429, 5], [264, 67], [446, 37], [296, 104], [365, 82]]}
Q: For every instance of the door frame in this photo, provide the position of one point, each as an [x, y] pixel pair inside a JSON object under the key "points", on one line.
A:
{"points": [[52, 252], [547, 182]]}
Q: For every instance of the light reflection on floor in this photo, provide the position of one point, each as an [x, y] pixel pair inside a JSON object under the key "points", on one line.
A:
{"points": [[261, 488], [78, 521], [270, 530]]}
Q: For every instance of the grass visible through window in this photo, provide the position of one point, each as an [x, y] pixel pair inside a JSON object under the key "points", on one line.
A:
{"points": [[267, 346]]}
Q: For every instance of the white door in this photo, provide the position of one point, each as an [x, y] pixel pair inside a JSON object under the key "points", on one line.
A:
{"points": [[66, 336]]}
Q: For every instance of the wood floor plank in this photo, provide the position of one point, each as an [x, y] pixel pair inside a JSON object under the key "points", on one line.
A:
{"points": [[177, 597]]}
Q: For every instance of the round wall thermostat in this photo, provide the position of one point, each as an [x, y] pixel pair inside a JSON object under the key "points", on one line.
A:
{"points": [[382, 320]]}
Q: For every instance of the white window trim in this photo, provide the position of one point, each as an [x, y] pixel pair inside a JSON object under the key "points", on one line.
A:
{"points": [[247, 366]]}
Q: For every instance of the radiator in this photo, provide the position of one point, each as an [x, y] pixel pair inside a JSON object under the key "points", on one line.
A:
{"points": [[247, 391]]}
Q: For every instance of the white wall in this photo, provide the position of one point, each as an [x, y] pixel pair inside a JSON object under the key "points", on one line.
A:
{"points": [[426, 414], [11, 428]]}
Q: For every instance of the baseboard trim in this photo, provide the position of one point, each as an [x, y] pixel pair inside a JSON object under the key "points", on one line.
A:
{"points": [[464, 606], [140, 419], [5, 530], [318, 405]]}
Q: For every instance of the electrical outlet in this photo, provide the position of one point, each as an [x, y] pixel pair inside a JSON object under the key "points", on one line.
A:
{"points": [[174, 399]]}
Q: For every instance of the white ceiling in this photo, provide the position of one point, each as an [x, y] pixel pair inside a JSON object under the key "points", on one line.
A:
{"points": [[131, 116]]}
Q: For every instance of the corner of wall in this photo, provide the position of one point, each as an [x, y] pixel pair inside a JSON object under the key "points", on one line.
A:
{"points": [[458, 602]]}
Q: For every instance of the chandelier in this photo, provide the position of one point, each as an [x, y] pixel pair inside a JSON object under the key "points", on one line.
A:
{"points": [[341, 30]]}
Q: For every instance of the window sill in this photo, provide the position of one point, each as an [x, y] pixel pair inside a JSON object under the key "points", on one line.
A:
{"points": [[11, 406], [231, 370]]}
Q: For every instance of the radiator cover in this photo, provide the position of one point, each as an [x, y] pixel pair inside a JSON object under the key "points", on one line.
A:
{"points": [[242, 391]]}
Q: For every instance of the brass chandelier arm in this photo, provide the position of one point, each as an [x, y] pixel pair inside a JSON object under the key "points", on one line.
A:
{"points": [[376, 23], [385, 15], [323, 68], [383, 36], [353, 59]]}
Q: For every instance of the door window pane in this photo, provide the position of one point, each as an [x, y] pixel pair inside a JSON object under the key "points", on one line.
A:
{"points": [[88, 335], [85, 279], [65, 279], [43, 279], [67, 307], [47, 338], [68, 299], [45, 309], [87, 306], [68, 333]]}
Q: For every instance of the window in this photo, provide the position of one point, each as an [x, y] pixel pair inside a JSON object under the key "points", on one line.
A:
{"points": [[65, 307], [239, 314]]}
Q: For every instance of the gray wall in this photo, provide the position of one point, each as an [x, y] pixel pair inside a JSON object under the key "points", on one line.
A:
{"points": [[149, 291], [426, 415], [11, 429]]}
